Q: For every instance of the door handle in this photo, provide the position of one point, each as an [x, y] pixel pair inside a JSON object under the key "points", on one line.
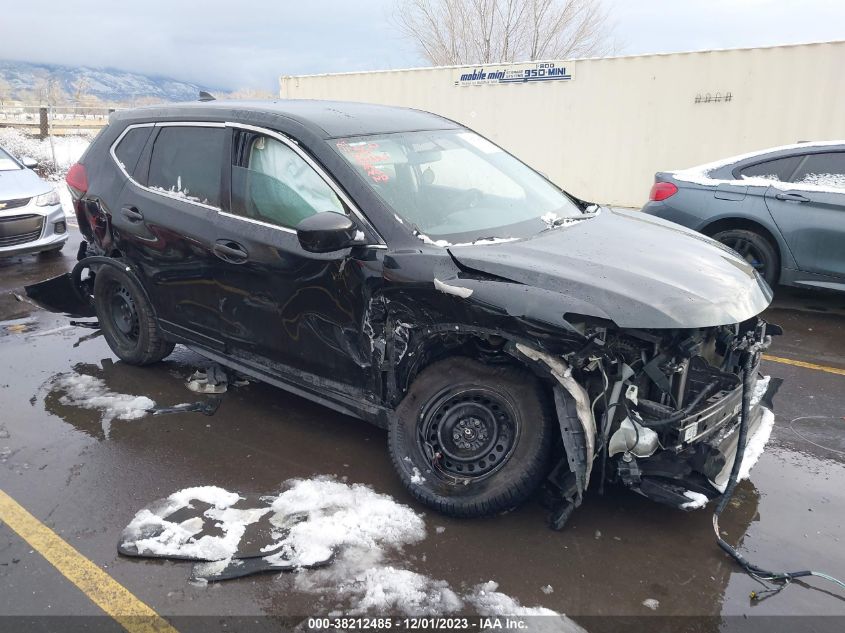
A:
{"points": [[231, 252], [792, 197], [132, 214]]}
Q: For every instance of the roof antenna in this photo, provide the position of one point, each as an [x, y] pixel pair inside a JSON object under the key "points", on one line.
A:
{"points": [[206, 96]]}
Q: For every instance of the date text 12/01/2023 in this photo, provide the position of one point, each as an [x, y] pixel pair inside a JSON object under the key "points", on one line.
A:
{"points": [[423, 623]]}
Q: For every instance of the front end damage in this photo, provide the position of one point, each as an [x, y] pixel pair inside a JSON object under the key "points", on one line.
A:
{"points": [[657, 411]]}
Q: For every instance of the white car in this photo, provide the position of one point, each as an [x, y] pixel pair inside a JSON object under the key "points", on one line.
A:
{"points": [[31, 216]]}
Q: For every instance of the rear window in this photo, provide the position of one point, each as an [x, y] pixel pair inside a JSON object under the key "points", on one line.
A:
{"points": [[128, 151], [780, 169], [825, 170], [187, 161]]}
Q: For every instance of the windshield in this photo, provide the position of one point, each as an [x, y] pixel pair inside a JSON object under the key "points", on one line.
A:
{"points": [[7, 163], [456, 186]]}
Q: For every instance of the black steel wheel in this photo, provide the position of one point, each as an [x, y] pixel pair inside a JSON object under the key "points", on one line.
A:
{"points": [[469, 432], [471, 439], [123, 313], [755, 249], [126, 317]]}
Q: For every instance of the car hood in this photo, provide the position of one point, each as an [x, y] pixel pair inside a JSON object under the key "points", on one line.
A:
{"points": [[634, 269], [21, 183]]}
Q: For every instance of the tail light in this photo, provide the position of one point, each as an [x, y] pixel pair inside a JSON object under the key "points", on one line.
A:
{"points": [[77, 180], [661, 191]]}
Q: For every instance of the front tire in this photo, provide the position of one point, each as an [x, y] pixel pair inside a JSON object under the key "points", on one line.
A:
{"points": [[755, 249], [127, 318], [471, 439]]}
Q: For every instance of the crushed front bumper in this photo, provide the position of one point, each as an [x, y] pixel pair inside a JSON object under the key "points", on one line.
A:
{"points": [[683, 476]]}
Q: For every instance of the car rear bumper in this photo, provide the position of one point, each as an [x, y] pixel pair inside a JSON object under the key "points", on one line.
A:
{"points": [[32, 229]]}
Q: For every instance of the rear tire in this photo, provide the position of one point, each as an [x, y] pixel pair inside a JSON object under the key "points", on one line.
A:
{"points": [[471, 439], [127, 318], [755, 249]]}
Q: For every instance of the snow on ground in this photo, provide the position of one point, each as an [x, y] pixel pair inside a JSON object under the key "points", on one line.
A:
{"points": [[177, 539], [365, 530], [89, 392], [68, 149], [756, 444]]}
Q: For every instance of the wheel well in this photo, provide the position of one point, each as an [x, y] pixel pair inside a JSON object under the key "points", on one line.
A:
{"points": [[726, 224], [485, 349]]}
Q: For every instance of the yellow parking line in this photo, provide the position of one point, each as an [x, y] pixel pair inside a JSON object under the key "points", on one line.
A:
{"points": [[101, 589], [806, 365]]}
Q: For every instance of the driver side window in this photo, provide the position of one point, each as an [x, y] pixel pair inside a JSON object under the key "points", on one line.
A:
{"points": [[272, 183]]}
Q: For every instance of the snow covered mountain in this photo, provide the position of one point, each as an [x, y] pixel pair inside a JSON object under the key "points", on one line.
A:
{"points": [[24, 80]]}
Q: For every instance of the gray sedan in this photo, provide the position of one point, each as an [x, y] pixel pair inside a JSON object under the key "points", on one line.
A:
{"points": [[31, 215], [782, 209]]}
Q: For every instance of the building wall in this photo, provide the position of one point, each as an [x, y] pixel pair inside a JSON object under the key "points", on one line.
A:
{"points": [[603, 134]]}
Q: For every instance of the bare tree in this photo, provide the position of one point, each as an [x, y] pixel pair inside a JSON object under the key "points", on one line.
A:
{"points": [[449, 32]]}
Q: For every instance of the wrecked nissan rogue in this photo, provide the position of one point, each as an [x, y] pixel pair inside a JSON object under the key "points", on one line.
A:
{"points": [[398, 267]]}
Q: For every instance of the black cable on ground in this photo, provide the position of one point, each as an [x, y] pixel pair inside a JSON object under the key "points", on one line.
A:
{"points": [[758, 573]]}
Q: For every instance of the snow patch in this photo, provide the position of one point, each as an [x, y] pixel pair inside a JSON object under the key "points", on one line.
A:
{"points": [[89, 392], [759, 391], [757, 444], [489, 601], [697, 500], [342, 516], [487, 241], [152, 534], [427, 240], [68, 150], [550, 218], [754, 447], [360, 526], [390, 590]]}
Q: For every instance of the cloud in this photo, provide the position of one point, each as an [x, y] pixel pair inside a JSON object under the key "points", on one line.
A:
{"points": [[249, 43], [662, 26], [217, 43]]}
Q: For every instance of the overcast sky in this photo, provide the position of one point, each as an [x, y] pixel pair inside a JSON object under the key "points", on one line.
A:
{"points": [[249, 43]]}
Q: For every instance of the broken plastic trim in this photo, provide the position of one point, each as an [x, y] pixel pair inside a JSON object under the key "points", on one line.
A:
{"points": [[561, 372], [463, 293]]}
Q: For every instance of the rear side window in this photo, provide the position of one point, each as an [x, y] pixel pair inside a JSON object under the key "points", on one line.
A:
{"points": [[128, 151], [187, 161], [826, 170], [780, 169]]}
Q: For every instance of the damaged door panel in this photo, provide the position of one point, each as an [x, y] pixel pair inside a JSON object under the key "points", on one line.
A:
{"points": [[505, 333]]}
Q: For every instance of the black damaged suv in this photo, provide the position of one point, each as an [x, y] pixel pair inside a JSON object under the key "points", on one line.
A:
{"points": [[396, 266]]}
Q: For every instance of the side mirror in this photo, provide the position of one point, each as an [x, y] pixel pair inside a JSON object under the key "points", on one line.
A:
{"points": [[327, 232], [29, 163]]}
